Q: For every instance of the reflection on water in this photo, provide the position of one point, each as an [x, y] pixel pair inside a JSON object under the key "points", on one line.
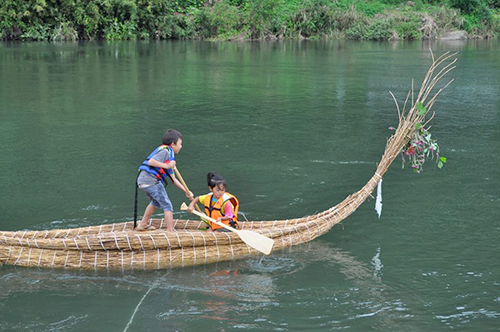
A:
{"points": [[277, 292], [237, 294]]}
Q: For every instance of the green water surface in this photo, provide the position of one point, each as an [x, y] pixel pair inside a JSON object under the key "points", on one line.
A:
{"points": [[294, 127]]}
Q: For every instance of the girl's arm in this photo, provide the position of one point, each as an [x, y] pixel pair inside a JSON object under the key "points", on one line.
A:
{"points": [[192, 204], [228, 212]]}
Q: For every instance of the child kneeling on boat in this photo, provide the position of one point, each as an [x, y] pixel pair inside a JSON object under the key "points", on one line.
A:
{"points": [[219, 204]]}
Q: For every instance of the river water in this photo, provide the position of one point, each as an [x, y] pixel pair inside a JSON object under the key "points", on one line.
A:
{"points": [[294, 127]]}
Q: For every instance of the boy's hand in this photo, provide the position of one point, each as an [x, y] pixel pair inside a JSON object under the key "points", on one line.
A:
{"points": [[171, 164], [190, 209], [190, 195]]}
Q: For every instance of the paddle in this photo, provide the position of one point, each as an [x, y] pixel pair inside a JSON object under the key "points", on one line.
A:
{"points": [[178, 174], [255, 240]]}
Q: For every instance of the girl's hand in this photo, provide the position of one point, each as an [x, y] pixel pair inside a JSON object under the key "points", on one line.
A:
{"points": [[190, 209], [190, 195]]}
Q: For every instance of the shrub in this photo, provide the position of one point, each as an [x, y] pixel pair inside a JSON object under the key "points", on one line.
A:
{"points": [[221, 19], [447, 18], [380, 29], [259, 16], [65, 32], [156, 19], [409, 30], [120, 30], [371, 8], [479, 8], [87, 20], [256, 19], [357, 31], [36, 33]]}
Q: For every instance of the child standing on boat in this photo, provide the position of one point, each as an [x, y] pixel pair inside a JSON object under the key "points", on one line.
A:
{"points": [[152, 179], [219, 204]]}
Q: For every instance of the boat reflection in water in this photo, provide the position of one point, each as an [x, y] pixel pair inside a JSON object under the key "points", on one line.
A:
{"points": [[239, 293]]}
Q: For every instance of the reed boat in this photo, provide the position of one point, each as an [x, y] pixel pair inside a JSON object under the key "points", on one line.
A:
{"points": [[119, 246]]}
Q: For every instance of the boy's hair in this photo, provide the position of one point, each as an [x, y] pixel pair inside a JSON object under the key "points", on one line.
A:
{"points": [[214, 180], [171, 136]]}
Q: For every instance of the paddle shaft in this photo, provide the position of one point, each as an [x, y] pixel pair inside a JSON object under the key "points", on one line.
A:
{"points": [[254, 240], [178, 174], [257, 241], [204, 216]]}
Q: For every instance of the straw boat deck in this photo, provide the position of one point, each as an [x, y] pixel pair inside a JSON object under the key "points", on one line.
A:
{"points": [[118, 246]]}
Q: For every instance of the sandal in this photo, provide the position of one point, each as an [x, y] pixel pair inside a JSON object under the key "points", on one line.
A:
{"points": [[147, 228]]}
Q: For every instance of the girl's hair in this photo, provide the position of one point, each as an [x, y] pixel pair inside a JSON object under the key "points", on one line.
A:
{"points": [[215, 180], [171, 136]]}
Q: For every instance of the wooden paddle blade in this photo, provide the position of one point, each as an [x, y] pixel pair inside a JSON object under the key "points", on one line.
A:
{"points": [[257, 241]]}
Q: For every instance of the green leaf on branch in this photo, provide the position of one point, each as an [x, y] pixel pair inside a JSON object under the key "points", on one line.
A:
{"points": [[421, 108], [418, 126], [441, 162]]}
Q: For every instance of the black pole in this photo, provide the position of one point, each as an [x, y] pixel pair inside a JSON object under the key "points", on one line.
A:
{"points": [[135, 204]]}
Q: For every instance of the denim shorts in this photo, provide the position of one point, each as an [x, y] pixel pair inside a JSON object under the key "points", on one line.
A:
{"points": [[158, 196]]}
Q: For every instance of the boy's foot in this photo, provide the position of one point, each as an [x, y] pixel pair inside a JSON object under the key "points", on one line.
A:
{"points": [[147, 228]]}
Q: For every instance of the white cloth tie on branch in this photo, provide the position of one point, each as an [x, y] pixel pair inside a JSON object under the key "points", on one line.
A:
{"points": [[378, 201]]}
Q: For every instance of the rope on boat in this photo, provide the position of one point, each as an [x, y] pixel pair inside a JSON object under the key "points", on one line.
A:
{"points": [[194, 247]]}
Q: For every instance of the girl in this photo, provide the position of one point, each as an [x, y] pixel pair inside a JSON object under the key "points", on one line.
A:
{"points": [[219, 204]]}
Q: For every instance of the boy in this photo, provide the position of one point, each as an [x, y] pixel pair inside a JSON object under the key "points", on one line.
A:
{"points": [[153, 175]]}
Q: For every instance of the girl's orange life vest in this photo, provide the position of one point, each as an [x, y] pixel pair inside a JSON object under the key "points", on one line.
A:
{"points": [[215, 210]]}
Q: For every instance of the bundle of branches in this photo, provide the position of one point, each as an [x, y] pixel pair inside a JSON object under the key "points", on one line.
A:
{"points": [[415, 117]]}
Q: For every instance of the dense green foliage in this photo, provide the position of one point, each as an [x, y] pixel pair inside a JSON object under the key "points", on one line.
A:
{"points": [[69, 20]]}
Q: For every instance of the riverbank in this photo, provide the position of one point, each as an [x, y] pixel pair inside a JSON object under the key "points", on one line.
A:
{"points": [[248, 20]]}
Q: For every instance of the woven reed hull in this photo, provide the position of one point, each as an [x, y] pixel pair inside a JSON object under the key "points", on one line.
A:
{"points": [[118, 246], [155, 250], [225, 248], [217, 248]]}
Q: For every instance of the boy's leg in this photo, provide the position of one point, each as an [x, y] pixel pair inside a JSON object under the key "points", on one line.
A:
{"points": [[159, 199], [169, 219], [150, 209]]}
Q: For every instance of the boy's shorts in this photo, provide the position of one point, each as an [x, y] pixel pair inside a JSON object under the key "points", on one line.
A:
{"points": [[158, 196]]}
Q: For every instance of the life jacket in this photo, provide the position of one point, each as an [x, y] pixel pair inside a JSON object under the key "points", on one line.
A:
{"points": [[158, 172], [214, 210]]}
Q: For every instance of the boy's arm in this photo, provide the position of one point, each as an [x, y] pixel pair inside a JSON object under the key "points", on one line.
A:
{"points": [[179, 185], [169, 165], [157, 163]]}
